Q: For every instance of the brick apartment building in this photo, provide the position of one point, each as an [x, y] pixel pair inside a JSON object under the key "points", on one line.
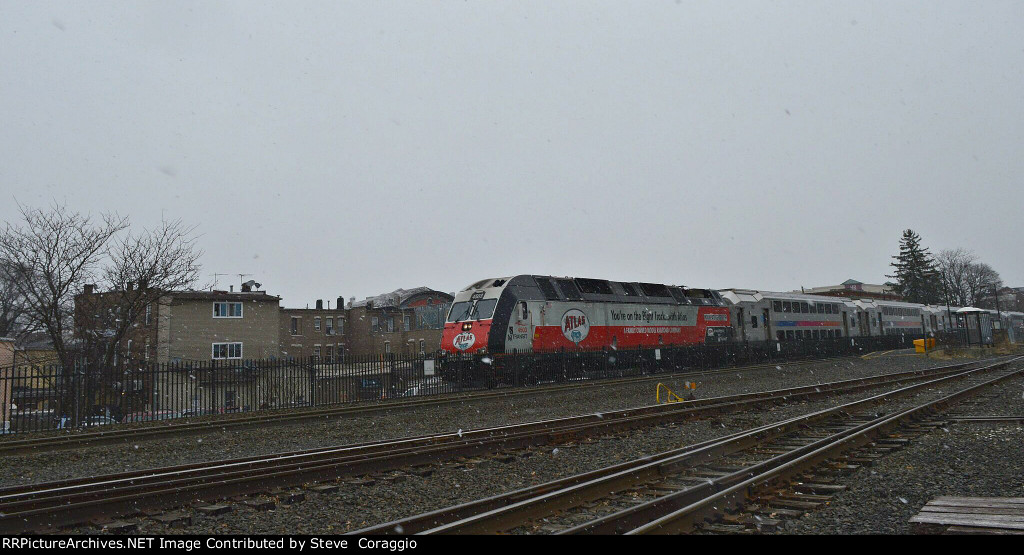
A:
{"points": [[185, 326], [313, 332], [407, 322]]}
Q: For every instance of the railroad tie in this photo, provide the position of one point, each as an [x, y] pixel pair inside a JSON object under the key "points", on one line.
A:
{"points": [[213, 510], [261, 504], [173, 519]]}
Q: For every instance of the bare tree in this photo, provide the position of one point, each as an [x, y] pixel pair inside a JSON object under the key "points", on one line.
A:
{"points": [[53, 253], [982, 283], [968, 281], [14, 320], [954, 264], [141, 268]]}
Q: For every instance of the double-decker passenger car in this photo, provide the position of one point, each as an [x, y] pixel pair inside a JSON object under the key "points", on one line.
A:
{"points": [[769, 316], [540, 314]]}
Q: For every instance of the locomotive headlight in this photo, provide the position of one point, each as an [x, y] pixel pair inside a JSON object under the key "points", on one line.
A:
{"points": [[466, 326]]}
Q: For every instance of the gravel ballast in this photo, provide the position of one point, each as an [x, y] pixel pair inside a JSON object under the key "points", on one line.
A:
{"points": [[961, 459], [398, 494]]}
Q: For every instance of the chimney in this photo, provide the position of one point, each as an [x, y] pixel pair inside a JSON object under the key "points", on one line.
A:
{"points": [[246, 288], [350, 301], [88, 289], [319, 304], [341, 302], [231, 288]]}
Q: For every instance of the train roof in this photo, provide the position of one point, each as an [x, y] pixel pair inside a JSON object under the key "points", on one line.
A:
{"points": [[565, 288], [736, 296]]}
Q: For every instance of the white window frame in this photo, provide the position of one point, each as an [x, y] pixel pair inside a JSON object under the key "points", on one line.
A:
{"points": [[316, 323], [227, 303], [149, 313], [229, 344]]}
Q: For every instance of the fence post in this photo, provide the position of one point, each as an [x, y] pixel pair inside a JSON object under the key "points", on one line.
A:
{"points": [[312, 381]]}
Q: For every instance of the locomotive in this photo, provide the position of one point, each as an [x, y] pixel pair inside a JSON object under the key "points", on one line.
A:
{"points": [[546, 314]]}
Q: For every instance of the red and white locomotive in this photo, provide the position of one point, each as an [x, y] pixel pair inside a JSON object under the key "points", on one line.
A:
{"points": [[541, 314]]}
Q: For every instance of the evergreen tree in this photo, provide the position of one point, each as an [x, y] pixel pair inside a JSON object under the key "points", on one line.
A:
{"points": [[917, 279]]}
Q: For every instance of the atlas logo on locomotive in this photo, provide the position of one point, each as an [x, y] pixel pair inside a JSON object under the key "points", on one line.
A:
{"points": [[575, 325], [464, 341]]}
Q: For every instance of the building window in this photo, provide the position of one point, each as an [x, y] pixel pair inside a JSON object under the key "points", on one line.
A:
{"points": [[423, 347], [341, 326], [329, 352], [391, 325], [330, 325], [146, 354], [295, 325], [387, 347], [316, 323], [149, 314], [227, 350], [316, 352], [406, 322], [227, 310], [341, 352], [374, 324]]}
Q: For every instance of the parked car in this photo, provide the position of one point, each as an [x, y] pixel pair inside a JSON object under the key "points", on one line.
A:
{"points": [[150, 416], [429, 386], [98, 421]]}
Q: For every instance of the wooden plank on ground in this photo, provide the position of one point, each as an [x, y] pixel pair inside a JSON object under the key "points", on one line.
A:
{"points": [[974, 510], [1017, 500], [979, 504], [985, 521], [975, 530]]}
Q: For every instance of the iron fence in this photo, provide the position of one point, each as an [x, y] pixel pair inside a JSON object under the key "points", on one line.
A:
{"points": [[52, 397]]}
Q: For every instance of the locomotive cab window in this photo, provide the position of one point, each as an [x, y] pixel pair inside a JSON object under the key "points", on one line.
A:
{"points": [[460, 311], [484, 309]]}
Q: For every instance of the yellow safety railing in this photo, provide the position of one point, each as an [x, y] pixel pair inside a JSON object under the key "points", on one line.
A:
{"points": [[670, 396]]}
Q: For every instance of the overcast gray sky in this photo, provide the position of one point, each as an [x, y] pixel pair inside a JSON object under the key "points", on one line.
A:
{"points": [[350, 148]]}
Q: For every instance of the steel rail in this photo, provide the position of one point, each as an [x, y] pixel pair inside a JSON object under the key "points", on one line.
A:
{"points": [[70, 501], [505, 510], [160, 429], [799, 459]]}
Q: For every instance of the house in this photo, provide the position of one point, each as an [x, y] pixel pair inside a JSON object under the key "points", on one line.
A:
{"points": [[407, 322], [313, 332]]}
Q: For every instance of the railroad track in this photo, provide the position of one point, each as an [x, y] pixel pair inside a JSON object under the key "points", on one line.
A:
{"points": [[739, 480], [65, 502], [76, 440]]}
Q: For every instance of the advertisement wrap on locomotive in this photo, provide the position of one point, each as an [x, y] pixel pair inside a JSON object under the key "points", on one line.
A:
{"points": [[542, 314]]}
